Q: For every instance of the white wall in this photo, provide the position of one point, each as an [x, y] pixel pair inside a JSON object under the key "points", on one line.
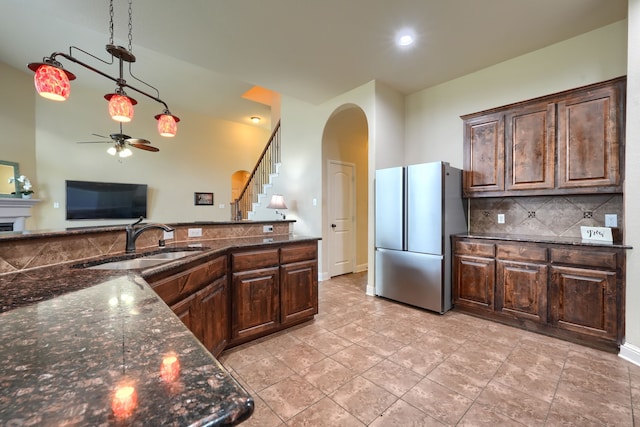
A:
{"points": [[631, 349]]}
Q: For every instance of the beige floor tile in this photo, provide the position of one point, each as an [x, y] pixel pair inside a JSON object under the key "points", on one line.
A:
{"points": [[328, 343], [262, 416], [514, 404], [279, 343], [536, 385], [356, 358], [419, 361], [243, 355], [405, 415], [402, 332], [563, 414], [439, 402], [324, 413], [594, 406], [392, 377], [300, 357], [610, 388], [264, 373], [380, 345], [524, 358], [479, 415], [290, 396], [464, 375], [363, 399], [328, 375], [353, 332]]}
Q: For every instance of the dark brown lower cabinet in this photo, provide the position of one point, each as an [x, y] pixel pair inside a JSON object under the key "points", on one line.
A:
{"points": [[584, 301], [573, 292], [299, 291], [269, 289], [254, 298]]}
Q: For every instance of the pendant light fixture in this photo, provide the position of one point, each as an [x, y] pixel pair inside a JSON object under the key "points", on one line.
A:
{"points": [[52, 81]]}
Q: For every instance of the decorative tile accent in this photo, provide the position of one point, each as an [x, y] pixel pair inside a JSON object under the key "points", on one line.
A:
{"points": [[544, 216]]}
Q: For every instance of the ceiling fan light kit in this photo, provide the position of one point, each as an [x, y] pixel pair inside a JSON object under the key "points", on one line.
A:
{"points": [[52, 81]]}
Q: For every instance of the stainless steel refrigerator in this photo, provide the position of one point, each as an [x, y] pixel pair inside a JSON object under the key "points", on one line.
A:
{"points": [[417, 208]]}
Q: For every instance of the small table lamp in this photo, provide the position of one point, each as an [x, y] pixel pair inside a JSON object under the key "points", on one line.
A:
{"points": [[277, 202]]}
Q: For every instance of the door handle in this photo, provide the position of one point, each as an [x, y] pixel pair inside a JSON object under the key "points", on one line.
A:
{"points": [[333, 226]]}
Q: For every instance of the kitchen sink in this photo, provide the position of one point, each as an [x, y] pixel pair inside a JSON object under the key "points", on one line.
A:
{"points": [[143, 261]]}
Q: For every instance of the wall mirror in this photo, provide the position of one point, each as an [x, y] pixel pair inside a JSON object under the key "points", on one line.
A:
{"points": [[8, 170]]}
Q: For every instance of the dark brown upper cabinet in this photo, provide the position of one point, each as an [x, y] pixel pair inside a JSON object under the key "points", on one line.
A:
{"points": [[566, 143]]}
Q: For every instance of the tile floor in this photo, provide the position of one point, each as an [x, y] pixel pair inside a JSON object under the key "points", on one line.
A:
{"points": [[366, 361]]}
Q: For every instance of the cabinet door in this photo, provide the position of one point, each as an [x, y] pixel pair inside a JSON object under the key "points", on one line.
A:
{"points": [[255, 299], [530, 147], [473, 283], [214, 315], [584, 301], [484, 153], [187, 310], [299, 291], [588, 139], [521, 290]]}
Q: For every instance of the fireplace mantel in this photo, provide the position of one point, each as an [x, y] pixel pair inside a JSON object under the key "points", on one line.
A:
{"points": [[16, 210]]}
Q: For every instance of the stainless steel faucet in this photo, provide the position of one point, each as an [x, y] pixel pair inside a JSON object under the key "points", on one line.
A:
{"points": [[133, 233]]}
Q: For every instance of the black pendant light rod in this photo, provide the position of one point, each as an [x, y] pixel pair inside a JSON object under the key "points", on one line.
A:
{"points": [[118, 81]]}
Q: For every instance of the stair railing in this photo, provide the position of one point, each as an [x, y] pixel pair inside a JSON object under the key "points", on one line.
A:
{"points": [[266, 165]]}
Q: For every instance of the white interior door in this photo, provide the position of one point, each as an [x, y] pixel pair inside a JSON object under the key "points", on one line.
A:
{"points": [[341, 208]]}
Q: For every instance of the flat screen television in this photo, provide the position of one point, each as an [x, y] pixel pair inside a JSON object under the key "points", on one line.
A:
{"points": [[105, 200]]}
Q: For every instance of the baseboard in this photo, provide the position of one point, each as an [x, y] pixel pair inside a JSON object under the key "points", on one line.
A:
{"points": [[322, 276], [630, 353], [371, 289], [360, 268]]}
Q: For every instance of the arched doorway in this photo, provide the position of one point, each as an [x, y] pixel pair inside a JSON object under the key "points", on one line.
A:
{"points": [[238, 180], [345, 190]]}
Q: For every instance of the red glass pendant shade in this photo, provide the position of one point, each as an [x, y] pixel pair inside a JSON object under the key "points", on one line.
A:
{"points": [[167, 125], [52, 83], [120, 107]]}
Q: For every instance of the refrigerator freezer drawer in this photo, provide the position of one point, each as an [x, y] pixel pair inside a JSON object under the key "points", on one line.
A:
{"points": [[412, 278]]}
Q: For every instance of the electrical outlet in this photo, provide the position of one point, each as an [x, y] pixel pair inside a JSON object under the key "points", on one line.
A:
{"points": [[267, 229], [167, 235], [195, 232], [56, 205], [611, 220], [221, 205], [500, 218]]}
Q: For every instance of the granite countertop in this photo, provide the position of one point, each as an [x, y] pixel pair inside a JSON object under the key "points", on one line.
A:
{"points": [[575, 241], [65, 358], [71, 336]]}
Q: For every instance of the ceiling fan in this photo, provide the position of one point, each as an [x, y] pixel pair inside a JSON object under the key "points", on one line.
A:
{"points": [[122, 144]]}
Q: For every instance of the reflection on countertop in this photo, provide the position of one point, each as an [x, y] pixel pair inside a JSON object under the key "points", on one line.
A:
{"points": [[65, 358]]}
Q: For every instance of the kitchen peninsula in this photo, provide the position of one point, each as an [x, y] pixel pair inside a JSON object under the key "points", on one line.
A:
{"points": [[74, 338]]}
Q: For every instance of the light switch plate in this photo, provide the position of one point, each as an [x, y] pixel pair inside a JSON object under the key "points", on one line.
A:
{"points": [[267, 229], [195, 232], [500, 218], [611, 220], [167, 235]]}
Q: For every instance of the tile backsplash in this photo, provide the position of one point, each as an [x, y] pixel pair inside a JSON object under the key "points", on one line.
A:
{"points": [[544, 215]]}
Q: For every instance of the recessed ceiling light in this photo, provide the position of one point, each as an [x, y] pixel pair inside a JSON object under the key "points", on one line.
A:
{"points": [[405, 38], [255, 119]]}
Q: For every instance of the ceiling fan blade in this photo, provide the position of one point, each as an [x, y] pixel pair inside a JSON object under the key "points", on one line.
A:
{"points": [[93, 142], [137, 141], [99, 136], [144, 147]]}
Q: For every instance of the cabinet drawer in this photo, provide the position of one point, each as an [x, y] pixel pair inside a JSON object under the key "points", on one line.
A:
{"points": [[606, 260], [295, 253], [522, 253], [252, 260], [176, 287], [475, 248]]}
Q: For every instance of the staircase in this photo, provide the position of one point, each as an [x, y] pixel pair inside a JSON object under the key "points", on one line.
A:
{"points": [[255, 189]]}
